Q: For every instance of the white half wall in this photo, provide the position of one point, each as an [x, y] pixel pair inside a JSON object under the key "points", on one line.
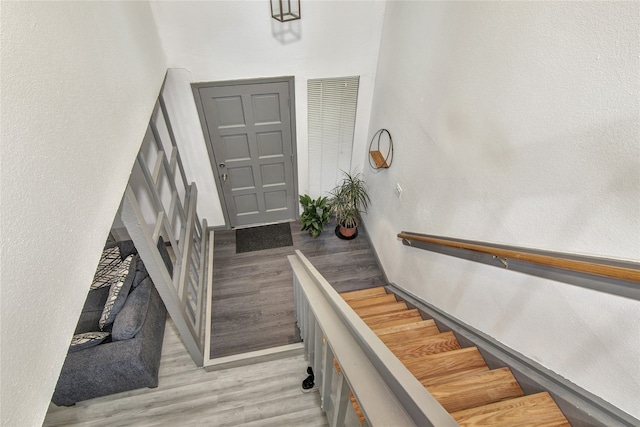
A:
{"points": [[79, 82], [232, 40], [516, 123]]}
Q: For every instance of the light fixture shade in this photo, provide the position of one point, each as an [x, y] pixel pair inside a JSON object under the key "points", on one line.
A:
{"points": [[285, 10]]}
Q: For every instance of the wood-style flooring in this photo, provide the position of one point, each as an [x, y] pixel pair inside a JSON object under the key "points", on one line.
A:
{"points": [[261, 394], [253, 291]]}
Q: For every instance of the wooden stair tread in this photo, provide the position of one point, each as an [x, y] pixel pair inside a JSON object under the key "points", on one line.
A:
{"points": [[434, 365], [363, 293], [534, 410], [388, 330], [433, 344], [428, 329], [375, 300], [375, 310], [477, 390], [392, 319]]}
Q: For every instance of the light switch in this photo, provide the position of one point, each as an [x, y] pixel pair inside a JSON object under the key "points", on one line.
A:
{"points": [[398, 190]]}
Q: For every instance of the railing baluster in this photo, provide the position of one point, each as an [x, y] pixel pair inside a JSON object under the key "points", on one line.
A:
{"points": [[327, 376], [317, 352], [296, 301], [311, 331], [158, 166], [172, 209], [173, 161], [202, 274], [301, 316], [158, 228], [342, 400], [305, 325]]}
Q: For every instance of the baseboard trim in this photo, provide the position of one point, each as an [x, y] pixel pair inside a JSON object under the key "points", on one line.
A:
{"points": [[373, 249], [252, 357], [581, 407]]}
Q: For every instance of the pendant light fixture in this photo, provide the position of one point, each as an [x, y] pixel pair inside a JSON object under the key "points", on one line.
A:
{"points": [[285, 10]]}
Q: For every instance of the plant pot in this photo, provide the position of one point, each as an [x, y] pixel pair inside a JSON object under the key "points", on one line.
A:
{"points": [[348, 232]]}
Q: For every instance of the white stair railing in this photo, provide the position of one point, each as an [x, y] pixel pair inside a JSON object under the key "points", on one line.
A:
{"points": [[159, 202], [387, 393]]}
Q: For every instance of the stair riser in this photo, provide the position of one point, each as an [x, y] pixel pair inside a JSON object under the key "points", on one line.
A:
{"points": [[404, 328], [414, 334], [367, 302], [445, 363], [427, 345], [395, 322], [365, 293], [376, 310], [515, 413]]}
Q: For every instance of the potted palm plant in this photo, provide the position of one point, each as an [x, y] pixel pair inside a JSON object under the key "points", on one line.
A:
{"points": [[349, 199]]}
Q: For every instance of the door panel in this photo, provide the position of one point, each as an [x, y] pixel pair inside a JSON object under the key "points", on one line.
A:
{"points": [[250, 132]]}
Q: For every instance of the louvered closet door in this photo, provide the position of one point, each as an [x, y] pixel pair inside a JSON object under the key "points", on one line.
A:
{"points": [[332, 105], [250, 132]]}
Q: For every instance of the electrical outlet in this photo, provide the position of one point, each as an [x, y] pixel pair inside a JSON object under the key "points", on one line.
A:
{"points": [[398, 190]]}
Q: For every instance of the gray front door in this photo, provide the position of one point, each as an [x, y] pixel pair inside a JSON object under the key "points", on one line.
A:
{"points": [[249, 129]]}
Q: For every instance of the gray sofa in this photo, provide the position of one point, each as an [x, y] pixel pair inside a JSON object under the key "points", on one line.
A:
{"points": [[130, 357]]}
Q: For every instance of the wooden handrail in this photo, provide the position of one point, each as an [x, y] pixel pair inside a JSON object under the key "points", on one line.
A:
{"points": [[599, 269]]}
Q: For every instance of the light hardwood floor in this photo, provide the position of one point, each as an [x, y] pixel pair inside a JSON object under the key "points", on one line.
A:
{"points": [[262, 394], [253, 293]]}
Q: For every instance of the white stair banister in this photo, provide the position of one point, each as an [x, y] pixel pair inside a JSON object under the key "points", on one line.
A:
{"points": [[388, 394], [172, 203]]}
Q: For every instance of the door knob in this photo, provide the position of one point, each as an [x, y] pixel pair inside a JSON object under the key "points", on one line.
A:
{"points": [[224, 176]]}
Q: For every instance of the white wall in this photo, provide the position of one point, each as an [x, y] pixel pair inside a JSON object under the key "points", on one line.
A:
{"points": [[79, 81], [230, 40], [516, 123]]}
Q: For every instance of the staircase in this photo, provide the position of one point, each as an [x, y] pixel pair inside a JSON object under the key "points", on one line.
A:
{"points": [[457, 377]]}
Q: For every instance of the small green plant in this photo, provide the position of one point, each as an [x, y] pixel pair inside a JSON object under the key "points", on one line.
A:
{"points": [[315, 215]]}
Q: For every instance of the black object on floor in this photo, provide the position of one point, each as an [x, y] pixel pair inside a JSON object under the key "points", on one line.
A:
{"points": [[309, 383], [263, 237]]}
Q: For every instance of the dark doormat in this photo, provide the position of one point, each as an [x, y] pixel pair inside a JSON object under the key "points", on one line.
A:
{"points": [[264, 237]]}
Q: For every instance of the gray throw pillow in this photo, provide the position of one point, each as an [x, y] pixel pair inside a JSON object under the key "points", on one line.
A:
{"points": [[141, 273], [119, 290], [87, 340], [131, 318]]}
